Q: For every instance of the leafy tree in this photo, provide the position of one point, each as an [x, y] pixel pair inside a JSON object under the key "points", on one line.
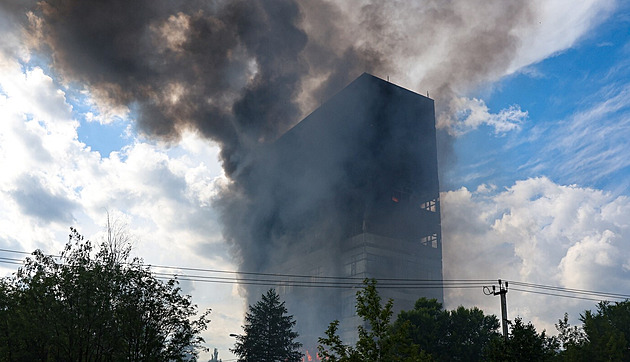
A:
{"points": [[426, 325], [523, 344], [572, 340], [377, 340], [607, 332], [457, 335], [470, 332], [95, 304], [269, 335]]}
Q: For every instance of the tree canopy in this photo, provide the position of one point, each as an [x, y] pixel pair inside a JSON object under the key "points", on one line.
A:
{"points": [[461, 334], [268, 333], [603, 336], [523, 344], [95, 304], [378, 341]]}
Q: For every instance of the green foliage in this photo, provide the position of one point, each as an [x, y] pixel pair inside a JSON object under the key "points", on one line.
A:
{"points": [[607, 331], [331, 347], [269, 334], [430, 333], [571, 340], [377, 340], [469, 333], [375, 343], [523, 344], [426, 325], [95, 305], [457, 335]]}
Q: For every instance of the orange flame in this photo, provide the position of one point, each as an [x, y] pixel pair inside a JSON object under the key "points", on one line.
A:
{"points": [[308, 356]]}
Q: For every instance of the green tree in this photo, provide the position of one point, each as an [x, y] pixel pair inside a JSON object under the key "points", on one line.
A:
{"points": [[523, 344], [95, 304], [607, 332], [425, 326], [457, 335], [470, 332], [572, 340], [269, 334], [377, 340]]}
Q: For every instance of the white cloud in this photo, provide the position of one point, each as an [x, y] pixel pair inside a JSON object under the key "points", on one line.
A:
{"points": [[51, 181], [466, 114], [536, 231]]}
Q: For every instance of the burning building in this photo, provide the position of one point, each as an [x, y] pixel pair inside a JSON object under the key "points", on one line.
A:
{"points": [[352, 191]]}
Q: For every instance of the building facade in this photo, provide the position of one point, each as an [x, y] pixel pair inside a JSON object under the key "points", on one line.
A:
{"points": [[358, 191]]}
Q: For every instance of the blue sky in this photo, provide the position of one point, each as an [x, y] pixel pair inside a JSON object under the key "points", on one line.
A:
{"points": [[537, 190], [550, 196], [554, 92]]}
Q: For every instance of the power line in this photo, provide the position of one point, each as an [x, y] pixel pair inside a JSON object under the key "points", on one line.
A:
{"points": [[315, 284], [293, 280], [309, 281], [330, 282], [15, 251], [570, 290], [558, 295], [11, 259], [317, 281], [239, 274], [312, 285], [360, 279], [336, 280]]}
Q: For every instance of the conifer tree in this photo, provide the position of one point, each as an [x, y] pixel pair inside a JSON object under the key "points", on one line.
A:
{"points": [[269, 334]]}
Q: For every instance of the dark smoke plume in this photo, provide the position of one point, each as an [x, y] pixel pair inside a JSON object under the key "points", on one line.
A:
{"points": [[242, 72], [230, 71]]}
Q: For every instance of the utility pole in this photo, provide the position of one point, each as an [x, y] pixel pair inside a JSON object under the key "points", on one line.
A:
{"points": [[503, 289]]}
